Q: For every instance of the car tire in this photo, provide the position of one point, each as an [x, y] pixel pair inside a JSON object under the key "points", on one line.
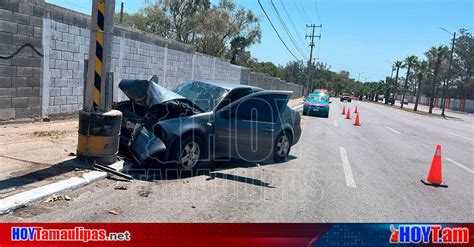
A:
{"points": [[326, 116], [190, 155], [282, 147], [349, 101]]}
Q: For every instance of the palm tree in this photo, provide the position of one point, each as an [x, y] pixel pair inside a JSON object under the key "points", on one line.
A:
{"points": [[435, 56], [409, 61], [421, 72], [397, 65]]}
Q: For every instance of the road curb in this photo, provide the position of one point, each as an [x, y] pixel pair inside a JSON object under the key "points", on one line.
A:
{"points": [[26, 198], [297, 107]]}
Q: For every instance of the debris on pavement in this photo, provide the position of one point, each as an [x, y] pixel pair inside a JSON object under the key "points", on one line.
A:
{"points": [[72, 154], [112, 171], [54, 198], [115, 211], [144, 193], [121, 187]]}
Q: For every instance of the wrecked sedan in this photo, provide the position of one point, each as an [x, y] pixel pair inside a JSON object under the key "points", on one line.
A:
{"points": [[199, 122]]}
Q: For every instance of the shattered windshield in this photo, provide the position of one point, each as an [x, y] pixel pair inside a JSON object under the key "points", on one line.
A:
{"points": [[205, 96]]}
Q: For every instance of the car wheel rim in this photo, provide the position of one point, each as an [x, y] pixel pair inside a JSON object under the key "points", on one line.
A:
{"points": [[283, 145], [190, 155]]}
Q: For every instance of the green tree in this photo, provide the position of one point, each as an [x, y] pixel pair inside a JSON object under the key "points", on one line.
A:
{"points": [[421, 71], [436, 55], [409, 62]]}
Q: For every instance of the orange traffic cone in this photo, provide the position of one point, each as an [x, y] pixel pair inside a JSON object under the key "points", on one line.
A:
{"points": [[348, 115], [343, 110], [435, 174], [356, 110], [356, 123]]}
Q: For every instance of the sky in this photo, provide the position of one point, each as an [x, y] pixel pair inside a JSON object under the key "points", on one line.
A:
{"points": [[361, 36]]}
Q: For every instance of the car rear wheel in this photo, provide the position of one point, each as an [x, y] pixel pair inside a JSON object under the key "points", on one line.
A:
{"points": [[282, 147]]}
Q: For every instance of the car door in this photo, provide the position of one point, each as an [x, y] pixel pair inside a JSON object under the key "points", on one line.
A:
{"points": [[246, 129]]}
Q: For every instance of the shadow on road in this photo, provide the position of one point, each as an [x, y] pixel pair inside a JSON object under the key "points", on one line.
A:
{"points": [[30, 177]]}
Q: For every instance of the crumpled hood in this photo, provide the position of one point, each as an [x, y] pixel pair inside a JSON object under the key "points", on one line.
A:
{"points": [[147, 93]]}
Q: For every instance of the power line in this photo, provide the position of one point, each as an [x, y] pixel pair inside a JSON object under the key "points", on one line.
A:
{"points": [[301, 13], [274, 29], [292, 24], [304, 12], [317, 11], [286, 29]]}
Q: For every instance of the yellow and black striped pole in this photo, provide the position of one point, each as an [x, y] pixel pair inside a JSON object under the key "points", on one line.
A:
{"points": [[99, 126], [99, 52]]}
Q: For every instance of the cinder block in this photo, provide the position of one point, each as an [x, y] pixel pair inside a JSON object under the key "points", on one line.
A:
{"points": [[54, 92], [73, 65], [5, 82], [22, 112], [19, 81], [72, 99], [25, 8], [7, 70], [5, 103], [23, 92], [60, 64], [36, 72], [24, 71], [60, 100], [66, 74], [55, 73], [69, 38], [35, 111], [6, 14], [65, 55], [33, 101], [6, 114], [20, 61], [20, 102], [34, 62], [74, 30], [62, 27], [36, 21], [6, 38], [25, 29], [53, 110], [66, 91], [21, 18], [72, 47], [61, 82], [73, 83], [65, 108], [37, 32], [34, 82], [60, 45]]}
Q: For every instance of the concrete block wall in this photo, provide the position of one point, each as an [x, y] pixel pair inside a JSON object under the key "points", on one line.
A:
{"points": [[34, 86], [20, 77]]}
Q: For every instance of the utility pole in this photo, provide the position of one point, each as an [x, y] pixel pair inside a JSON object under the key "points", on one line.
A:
{"points": [[311, 46], [99, 125], [446, 83]]}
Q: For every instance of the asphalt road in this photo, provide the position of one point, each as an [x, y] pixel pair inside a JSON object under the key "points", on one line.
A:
{"points": [[337, 173]]}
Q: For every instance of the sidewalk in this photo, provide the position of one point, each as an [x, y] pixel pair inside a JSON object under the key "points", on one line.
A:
{"points": [[36, 154], [467, 117]]}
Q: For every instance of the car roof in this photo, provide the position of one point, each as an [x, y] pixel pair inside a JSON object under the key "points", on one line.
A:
{"points": [[229, 86], [311, 94]]}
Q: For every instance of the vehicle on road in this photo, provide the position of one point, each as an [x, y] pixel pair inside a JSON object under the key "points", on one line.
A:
{"points": [[346, 97], [199, 122], [316, 104]]}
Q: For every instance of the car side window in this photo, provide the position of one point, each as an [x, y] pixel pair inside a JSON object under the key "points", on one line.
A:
{"points": [[265, 108], [235, 95]]}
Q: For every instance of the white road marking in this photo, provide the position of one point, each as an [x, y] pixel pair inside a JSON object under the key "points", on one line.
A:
{"points": [[393, 130], [461, 136], [350, 182], [460, 165], [335, 123]]}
